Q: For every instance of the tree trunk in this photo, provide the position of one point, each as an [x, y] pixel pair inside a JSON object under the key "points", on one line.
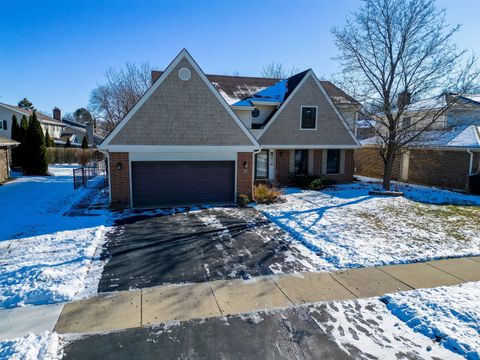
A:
{"points": [[387, 171]]}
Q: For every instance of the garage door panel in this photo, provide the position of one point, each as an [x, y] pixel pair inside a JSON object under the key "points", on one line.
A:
{"points": [[180, 183]]}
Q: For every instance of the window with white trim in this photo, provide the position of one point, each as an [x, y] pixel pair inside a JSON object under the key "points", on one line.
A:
{"points": [[261, 165], [309, 118]]}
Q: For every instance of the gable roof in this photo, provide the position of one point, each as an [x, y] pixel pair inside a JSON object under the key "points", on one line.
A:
{"points": [[182, 56], [41, 116], [297, 83], [236, 88]]}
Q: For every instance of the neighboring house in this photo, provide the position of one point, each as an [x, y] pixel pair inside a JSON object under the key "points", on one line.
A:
{"points": [[5, 146], [184, 144], [444, 156], [53, 125], [76, 132]]}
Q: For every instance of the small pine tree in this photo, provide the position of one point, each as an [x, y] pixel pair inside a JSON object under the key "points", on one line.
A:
{"points": [[68, 144], [20, 149], [35, 161], [85, 143], [15, 136], [25, 104], [48, 140]]}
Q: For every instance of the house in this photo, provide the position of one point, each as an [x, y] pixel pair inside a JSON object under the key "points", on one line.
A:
{"points": [[53, 124], [194, 139], [444, 156], [5, 156], [75, 132]]}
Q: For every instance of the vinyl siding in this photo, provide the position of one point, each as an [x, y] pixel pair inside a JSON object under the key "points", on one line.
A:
{"points": [[182, 113], [285, 129]]}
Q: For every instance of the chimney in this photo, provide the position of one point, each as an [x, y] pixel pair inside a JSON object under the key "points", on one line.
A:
{"points": [[57, 114], [404, 99], [89, 132]]}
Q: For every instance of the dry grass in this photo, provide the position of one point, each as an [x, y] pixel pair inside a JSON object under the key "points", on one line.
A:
{"points": [[264, 194]]}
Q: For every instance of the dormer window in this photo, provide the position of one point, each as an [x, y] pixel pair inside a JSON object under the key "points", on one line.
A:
{"points": [[308, 119]]}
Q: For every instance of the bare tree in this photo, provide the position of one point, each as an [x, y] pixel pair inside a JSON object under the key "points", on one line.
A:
{"points": [[111, 101], [394, 52], [276, 70]]}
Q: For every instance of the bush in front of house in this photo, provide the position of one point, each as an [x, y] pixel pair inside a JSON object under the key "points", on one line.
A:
{"points": [[244, 200], [301, 181], [474, 184], [264, 194], [73, 155], [321, 183]]}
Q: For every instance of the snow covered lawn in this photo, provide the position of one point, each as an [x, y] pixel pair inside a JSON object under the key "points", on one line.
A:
{"points": [[47, 257], [346, 227]]}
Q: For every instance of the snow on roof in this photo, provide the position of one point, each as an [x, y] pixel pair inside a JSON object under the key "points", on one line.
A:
{"points": [[4, 142], [436, 102], [365, 123], [466, 136], [236, 88]]}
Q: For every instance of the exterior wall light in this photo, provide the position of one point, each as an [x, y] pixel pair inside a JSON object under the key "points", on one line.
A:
{"points": [[119, 166], [245, 165]]}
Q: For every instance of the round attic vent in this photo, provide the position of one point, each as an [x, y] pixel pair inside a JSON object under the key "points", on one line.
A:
{"points": [[184, 74]]}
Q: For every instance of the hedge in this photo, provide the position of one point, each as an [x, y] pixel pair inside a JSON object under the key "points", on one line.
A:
{"points": [[72, 155]]}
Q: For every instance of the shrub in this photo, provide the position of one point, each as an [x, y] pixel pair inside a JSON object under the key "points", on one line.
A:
{"points": [[320, 183], [474, 184], [264, 194], [73, 156], [243, 200], [301, 181]]}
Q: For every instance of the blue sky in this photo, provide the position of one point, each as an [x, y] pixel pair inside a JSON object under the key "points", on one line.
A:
{"points": [[56, 52]]}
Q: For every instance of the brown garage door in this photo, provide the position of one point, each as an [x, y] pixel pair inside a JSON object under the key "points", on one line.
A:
{"points": [[180, 183]]}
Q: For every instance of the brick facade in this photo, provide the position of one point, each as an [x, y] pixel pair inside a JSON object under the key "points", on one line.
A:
{"points": [[448, 169], [119, 179], [282, 166], [4, 171], [368, 162], [245, 173]]}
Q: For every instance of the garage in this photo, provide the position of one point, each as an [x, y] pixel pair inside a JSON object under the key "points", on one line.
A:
{"points": [[182, 183]]}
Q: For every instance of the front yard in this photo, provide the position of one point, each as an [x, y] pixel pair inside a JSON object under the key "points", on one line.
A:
{"points": [[52, 250], [346, 227]]}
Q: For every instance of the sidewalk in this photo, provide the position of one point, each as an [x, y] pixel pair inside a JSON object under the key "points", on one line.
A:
{"points": [[136, 308]]}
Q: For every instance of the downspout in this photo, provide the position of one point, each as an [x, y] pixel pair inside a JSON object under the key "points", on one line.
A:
{"points": [[470, 166], [107, 157]]}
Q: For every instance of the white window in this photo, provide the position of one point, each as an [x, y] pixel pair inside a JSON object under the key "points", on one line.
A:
{"points": [[261, 165], [308, 119]]}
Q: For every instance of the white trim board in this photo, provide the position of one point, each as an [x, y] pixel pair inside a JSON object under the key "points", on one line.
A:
{"points": [[178, 148], [184, 54], [299, 147]]}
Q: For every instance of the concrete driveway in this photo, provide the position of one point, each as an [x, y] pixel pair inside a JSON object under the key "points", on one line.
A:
{"points": [[196, 246]]}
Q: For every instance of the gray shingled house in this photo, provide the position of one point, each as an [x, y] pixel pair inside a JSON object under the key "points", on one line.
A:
{"points": [[196, 138]]}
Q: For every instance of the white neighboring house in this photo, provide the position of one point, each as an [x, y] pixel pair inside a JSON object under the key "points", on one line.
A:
{"points": [[52, 124]]}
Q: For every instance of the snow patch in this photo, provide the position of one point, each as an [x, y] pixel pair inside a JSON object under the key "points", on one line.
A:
{"points": [[45, 346]]}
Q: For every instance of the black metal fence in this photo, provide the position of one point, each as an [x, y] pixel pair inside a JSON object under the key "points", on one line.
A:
{"points": [[87, 176]]}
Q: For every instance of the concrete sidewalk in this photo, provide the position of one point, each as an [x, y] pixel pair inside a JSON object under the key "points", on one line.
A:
{"points": [[130, 309]]}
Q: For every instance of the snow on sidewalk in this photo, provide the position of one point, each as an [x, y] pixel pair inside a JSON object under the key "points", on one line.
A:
{"points": [[45, 346], [346, 227], [448, 315], [47, 257]]}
